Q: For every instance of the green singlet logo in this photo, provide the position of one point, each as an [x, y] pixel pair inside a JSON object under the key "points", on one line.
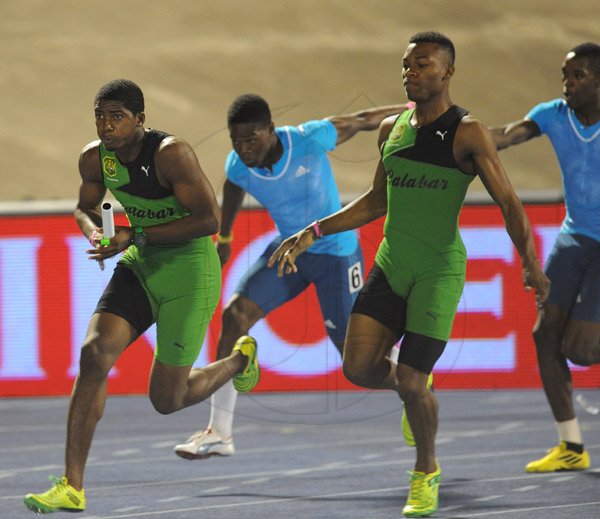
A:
{"points": [[110, 166]]}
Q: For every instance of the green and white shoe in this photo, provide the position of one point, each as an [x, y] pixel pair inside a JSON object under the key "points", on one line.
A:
{"points": [[247, 379]]}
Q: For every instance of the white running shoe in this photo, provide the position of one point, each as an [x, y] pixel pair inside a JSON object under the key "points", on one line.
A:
{"points": [[205, 444]]}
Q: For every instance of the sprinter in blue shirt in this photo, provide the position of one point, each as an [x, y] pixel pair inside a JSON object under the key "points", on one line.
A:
{"points": [[287, 170], [568, 324]]}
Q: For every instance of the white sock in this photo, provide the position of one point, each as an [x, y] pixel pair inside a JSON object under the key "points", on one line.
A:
{"points": [[222, 407], [570, 431]]}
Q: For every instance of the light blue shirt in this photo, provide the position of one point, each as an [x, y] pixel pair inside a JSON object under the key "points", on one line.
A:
{"points": [[578, 150], [301, 187]]}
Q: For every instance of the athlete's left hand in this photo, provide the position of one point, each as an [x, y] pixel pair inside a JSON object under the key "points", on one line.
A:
{"points": [[120, 241], [534, 278], [285, 255]]}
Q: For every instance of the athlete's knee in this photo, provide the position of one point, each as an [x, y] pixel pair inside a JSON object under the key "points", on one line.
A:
{"points": [[164, 404], [239, 315], [94, 361], [411, 384], [582, 349], [357, 372]]}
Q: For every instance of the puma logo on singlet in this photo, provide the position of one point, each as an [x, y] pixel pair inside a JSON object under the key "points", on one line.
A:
{"points": [[180, 346], [432, 315], [441, 134], [145, 169]]}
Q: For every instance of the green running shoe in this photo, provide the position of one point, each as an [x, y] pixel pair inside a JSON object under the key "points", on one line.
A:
{"points": [[406, 430], [247, 379], [61, 497], [423, 493]]}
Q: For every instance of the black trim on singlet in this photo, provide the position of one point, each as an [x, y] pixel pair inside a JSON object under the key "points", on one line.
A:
{"points": [[142, 171], [434, 143]]}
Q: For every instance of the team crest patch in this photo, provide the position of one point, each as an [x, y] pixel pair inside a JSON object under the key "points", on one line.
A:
{"points": [[397, 133], [109, 165]]}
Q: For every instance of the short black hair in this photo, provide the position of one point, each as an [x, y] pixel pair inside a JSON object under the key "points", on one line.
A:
{"points": [[124, 91], [438, 38], [249, 108], [591, 51]]}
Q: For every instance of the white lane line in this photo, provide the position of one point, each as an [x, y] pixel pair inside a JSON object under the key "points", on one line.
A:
{"points": [[485, 499], [526, 488], [509, 511], [171, 499], [562, 479], [214, 490], [371, 456], [128, 509], [255, 481], [126, 452]]}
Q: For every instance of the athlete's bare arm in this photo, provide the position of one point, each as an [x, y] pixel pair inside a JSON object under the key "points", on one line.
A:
{"points": [[232, 201], [365, 209], [475, 152], [91, 190], [349, 125], [514, 133]]}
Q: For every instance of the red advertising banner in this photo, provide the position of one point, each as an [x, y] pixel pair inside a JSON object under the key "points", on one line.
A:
{"points": [[48, 290]]}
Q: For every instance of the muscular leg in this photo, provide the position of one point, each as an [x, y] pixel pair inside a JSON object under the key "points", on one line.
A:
{"points": [[189, 386], [174, 387], [239, 316], [554, 371], [581, 343], [422, 412], [368, 342], [107, 336]]}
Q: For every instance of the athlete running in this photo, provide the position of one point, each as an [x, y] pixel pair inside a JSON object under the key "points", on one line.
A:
{"points": [[169, 275], [287, 170], [429, 156], [568, 324]]}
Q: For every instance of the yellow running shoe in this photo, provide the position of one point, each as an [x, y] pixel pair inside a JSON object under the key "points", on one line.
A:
{"points": [[406, 430], [247, 379], [560, 458], [423, 493], [61, 497]]}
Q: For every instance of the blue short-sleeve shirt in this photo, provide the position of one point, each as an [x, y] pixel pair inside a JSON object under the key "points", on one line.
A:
{"points": [[578, 150], [301, 187]]}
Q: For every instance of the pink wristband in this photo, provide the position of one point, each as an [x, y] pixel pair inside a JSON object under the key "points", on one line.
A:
{"points": [[316, 229], [410, 105], [92, 236]]}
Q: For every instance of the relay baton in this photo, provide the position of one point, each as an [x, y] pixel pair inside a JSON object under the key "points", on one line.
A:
{"points": [[108, 223]]}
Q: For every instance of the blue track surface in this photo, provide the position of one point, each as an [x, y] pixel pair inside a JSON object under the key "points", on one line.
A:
{"points": [[303, 455]]}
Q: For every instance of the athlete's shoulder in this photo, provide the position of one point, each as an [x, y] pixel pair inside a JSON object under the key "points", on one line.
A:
{"points": [[234, 165], [91, 147], [553, 107], [89, 160], [90, 152]]}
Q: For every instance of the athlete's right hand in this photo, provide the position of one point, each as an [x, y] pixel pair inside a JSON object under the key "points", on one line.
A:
{"points": [[285, 255]]}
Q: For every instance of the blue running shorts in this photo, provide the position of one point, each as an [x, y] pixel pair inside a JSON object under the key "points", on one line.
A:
{"points": [[337, 280]]}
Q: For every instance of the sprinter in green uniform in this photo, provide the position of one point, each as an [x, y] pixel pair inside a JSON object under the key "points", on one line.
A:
{"points": [[429, 155], [170, 275]]}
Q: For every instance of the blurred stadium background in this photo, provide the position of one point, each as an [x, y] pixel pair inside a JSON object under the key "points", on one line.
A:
{"points": [[309, 59]]}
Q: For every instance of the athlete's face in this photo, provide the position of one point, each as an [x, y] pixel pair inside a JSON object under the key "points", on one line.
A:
{"points": [[426, 70], [252, 142], [116, 126], [581, 86]]}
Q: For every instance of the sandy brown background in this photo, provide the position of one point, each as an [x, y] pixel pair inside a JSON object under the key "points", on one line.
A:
{"points": [[309, 58]]}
